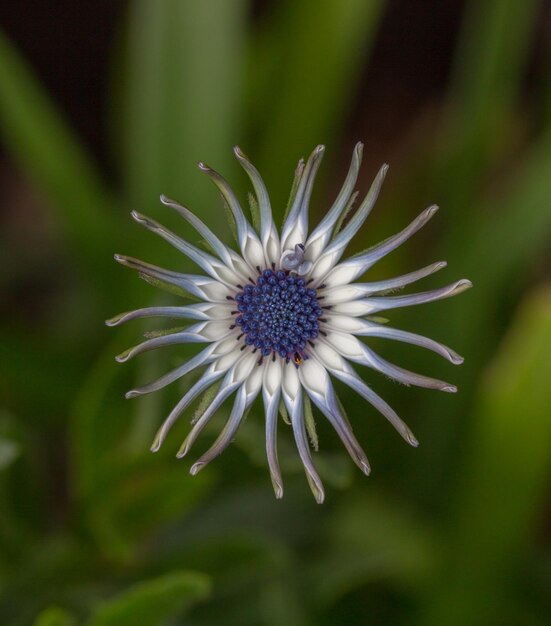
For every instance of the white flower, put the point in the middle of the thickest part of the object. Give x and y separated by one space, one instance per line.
283 316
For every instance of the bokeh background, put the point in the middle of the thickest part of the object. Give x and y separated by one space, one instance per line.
103 106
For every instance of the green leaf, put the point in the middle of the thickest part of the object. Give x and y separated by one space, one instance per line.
154 602
508 466
55 616
50 154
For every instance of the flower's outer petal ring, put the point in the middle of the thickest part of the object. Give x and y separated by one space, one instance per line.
205 356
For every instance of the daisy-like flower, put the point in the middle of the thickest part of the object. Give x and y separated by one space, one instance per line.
283 316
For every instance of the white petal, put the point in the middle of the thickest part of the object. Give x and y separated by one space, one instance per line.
252 249
193 311
248 239
383 303
206 261
317 384
192 334
268 232
227 433
291 383
346 344
231 382
293 402
209 377
353 349
322 233
344 323
345 293
336 248
205 356
213 331
340 275
271 393
295 228
199 286
370 329
355 266
221 249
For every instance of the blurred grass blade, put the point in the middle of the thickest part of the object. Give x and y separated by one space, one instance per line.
181 102
509 468
494 45
305 71
513 231
154 602
50 154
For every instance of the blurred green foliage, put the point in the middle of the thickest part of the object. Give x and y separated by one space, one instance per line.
96 531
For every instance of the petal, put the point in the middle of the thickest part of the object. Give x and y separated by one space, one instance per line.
271 394
342 370
249 242
355 266
205 356
352 291
198 333
243 399
204 260
331 255
292 396
370 329
295 228
233 379
192 311
227 255
316 382
210 376
198 286
374 304
322 233
268 231
354 350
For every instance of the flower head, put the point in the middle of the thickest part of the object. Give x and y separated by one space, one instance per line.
284 315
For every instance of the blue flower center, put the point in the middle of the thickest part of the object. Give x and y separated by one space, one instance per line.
278 314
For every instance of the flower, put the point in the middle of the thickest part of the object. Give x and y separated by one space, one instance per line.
284 316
